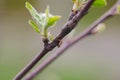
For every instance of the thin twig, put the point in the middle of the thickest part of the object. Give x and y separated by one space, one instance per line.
67 28
69 44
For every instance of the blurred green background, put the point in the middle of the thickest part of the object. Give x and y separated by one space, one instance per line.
94 58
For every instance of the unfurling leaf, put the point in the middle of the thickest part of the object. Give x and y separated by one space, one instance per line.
48 21
78 4
34 13
52 20
34 25
43 20
100 3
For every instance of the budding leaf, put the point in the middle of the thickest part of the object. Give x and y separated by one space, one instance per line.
100 27
34 25
78 4
52 20
44 20
100 3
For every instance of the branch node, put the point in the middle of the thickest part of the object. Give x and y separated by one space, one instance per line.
46 41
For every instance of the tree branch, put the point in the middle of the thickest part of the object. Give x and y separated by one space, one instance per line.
68 27
70 43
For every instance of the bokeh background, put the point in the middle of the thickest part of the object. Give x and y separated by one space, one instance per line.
94 58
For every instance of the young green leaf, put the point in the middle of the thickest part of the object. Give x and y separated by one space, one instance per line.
100 3
52 20
34 13
34 25
30 8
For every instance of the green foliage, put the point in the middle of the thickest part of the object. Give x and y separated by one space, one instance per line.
50 20
44 20
34 25
100 3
